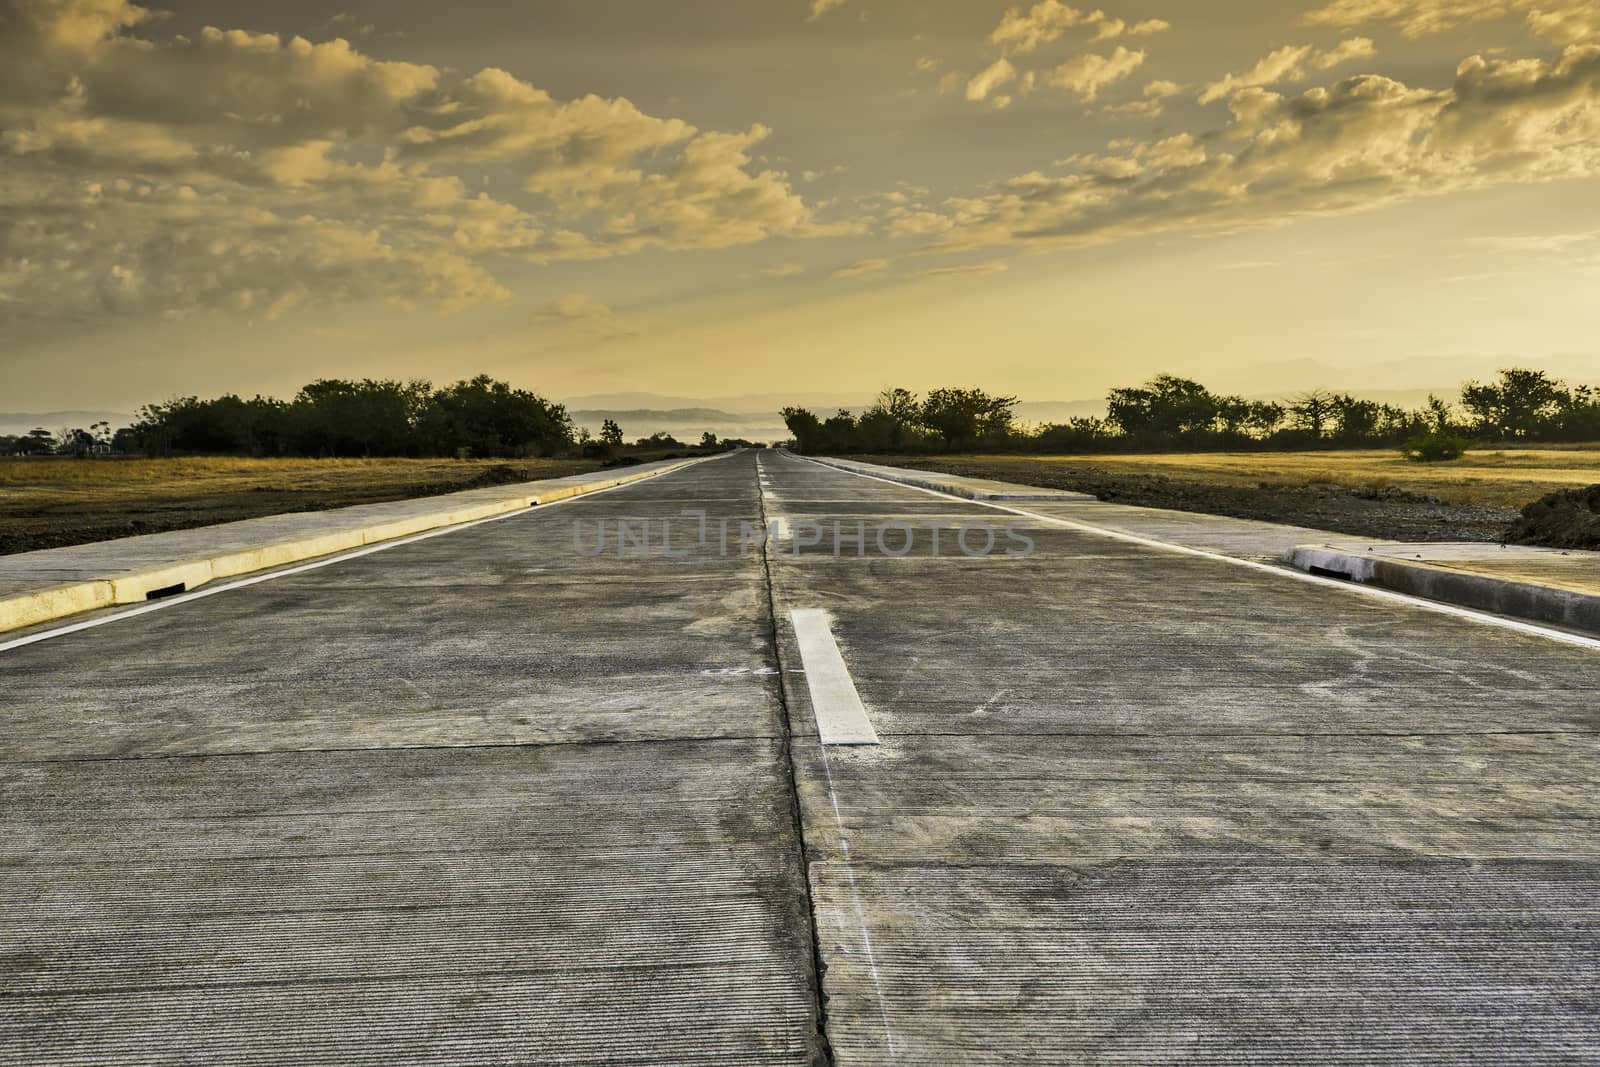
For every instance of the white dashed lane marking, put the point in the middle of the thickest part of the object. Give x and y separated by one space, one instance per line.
841 718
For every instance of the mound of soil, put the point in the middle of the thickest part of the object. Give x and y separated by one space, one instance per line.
1566 519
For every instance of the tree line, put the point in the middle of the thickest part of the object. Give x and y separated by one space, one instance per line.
477 417
334 417
484 418
1172 413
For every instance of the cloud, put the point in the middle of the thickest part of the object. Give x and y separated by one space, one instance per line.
1351 146
784 270
809 176
582 314
928 64
917 223
992 267
709 196
1109 28
1344 52
865 266
1538 243
253 173
1563 21
1086 75
820 8
1023 31
578 306
1152 102
998 73
1289 63
345 22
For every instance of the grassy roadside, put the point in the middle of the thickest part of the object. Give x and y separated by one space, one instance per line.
48 503
1495 478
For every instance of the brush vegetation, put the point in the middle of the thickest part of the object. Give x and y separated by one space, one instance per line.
1169 413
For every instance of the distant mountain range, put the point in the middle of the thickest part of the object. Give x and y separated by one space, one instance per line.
686 424
686 418
19 422
685 415
746 402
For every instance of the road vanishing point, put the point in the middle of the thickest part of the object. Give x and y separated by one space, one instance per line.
494 797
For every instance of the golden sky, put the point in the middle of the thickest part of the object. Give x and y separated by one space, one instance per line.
708 199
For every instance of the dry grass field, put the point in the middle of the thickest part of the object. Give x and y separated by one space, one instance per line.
1508 477
45 503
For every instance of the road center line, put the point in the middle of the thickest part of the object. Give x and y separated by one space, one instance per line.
841 718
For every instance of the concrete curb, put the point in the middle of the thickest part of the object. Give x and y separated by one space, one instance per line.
138 584
961 487
1525 600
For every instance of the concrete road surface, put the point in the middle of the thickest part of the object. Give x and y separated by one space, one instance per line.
491 798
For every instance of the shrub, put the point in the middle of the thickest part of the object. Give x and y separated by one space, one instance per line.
1435 447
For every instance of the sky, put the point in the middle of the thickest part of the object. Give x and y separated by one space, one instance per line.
727 199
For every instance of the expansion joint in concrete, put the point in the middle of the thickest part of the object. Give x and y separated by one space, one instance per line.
824 1047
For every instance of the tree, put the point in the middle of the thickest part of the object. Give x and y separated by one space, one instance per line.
839 432
1437 414
1396 423
1521 404
1075 435
891 423
1165 410
1232 413
899 404
1579 417
37 442
1264 418
611 433
805 428
75 442
1313 411
708 440
962 418
1354 420
227 425
332 417
483 417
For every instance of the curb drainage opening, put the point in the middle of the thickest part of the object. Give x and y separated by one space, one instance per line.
1329 572
166 591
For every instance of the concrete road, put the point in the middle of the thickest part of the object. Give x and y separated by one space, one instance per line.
487 799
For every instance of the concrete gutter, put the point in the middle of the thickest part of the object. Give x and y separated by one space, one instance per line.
1457 581
38 587
955 485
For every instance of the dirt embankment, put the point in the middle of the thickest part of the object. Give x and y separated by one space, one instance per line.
1569 518
1390 513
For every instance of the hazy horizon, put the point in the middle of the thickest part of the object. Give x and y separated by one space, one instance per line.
811 197
750 416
